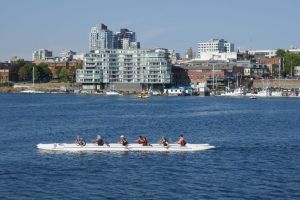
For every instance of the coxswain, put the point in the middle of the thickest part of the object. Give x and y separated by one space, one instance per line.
181 141
123 140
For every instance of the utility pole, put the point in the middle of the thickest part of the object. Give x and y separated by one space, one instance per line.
213 75
33 77
291 68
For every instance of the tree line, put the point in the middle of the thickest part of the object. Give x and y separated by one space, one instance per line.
42 73
290 59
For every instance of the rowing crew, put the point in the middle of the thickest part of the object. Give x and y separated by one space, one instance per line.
141 140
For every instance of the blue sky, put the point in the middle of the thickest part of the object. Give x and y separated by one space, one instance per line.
56 25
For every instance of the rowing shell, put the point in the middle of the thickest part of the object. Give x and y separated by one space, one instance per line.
119 147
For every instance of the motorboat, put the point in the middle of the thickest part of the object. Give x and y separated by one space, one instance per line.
143 95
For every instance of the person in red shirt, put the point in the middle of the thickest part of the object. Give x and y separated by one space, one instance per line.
181 141
142 140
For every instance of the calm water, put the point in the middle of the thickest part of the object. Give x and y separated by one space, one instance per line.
257 154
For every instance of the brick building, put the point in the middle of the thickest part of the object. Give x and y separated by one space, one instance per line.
55 67
70 66
185 75
273 64
4 75
4 72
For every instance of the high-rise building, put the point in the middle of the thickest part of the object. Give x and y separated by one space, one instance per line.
101 38
125 39
41 54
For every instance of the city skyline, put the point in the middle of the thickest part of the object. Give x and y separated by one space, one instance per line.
30 25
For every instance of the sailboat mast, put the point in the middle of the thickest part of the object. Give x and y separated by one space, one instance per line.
33 77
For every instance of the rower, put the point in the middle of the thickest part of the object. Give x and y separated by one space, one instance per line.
100 141
181 141
123 140
164 141
80 141
142 140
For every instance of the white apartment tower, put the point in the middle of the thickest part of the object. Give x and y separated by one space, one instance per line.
101 38
216 49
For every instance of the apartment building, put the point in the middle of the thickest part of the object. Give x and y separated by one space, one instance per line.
124 66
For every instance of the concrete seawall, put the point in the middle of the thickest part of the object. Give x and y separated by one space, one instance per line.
283 83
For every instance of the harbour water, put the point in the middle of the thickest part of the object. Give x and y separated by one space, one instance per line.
256 156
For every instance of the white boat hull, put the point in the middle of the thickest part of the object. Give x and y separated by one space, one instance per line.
112 93
118 147
32 91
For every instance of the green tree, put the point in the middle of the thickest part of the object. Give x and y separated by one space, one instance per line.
291 60
280 53
72 72
63 75
79 65
44 72
25 72
23 75
14 69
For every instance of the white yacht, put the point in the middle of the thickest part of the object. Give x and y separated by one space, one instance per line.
112 93
173 91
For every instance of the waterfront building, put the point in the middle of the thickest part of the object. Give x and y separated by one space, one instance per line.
259 70
216 49
41 54
68 66
200 75
125 69
274 64
101 38
4 72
